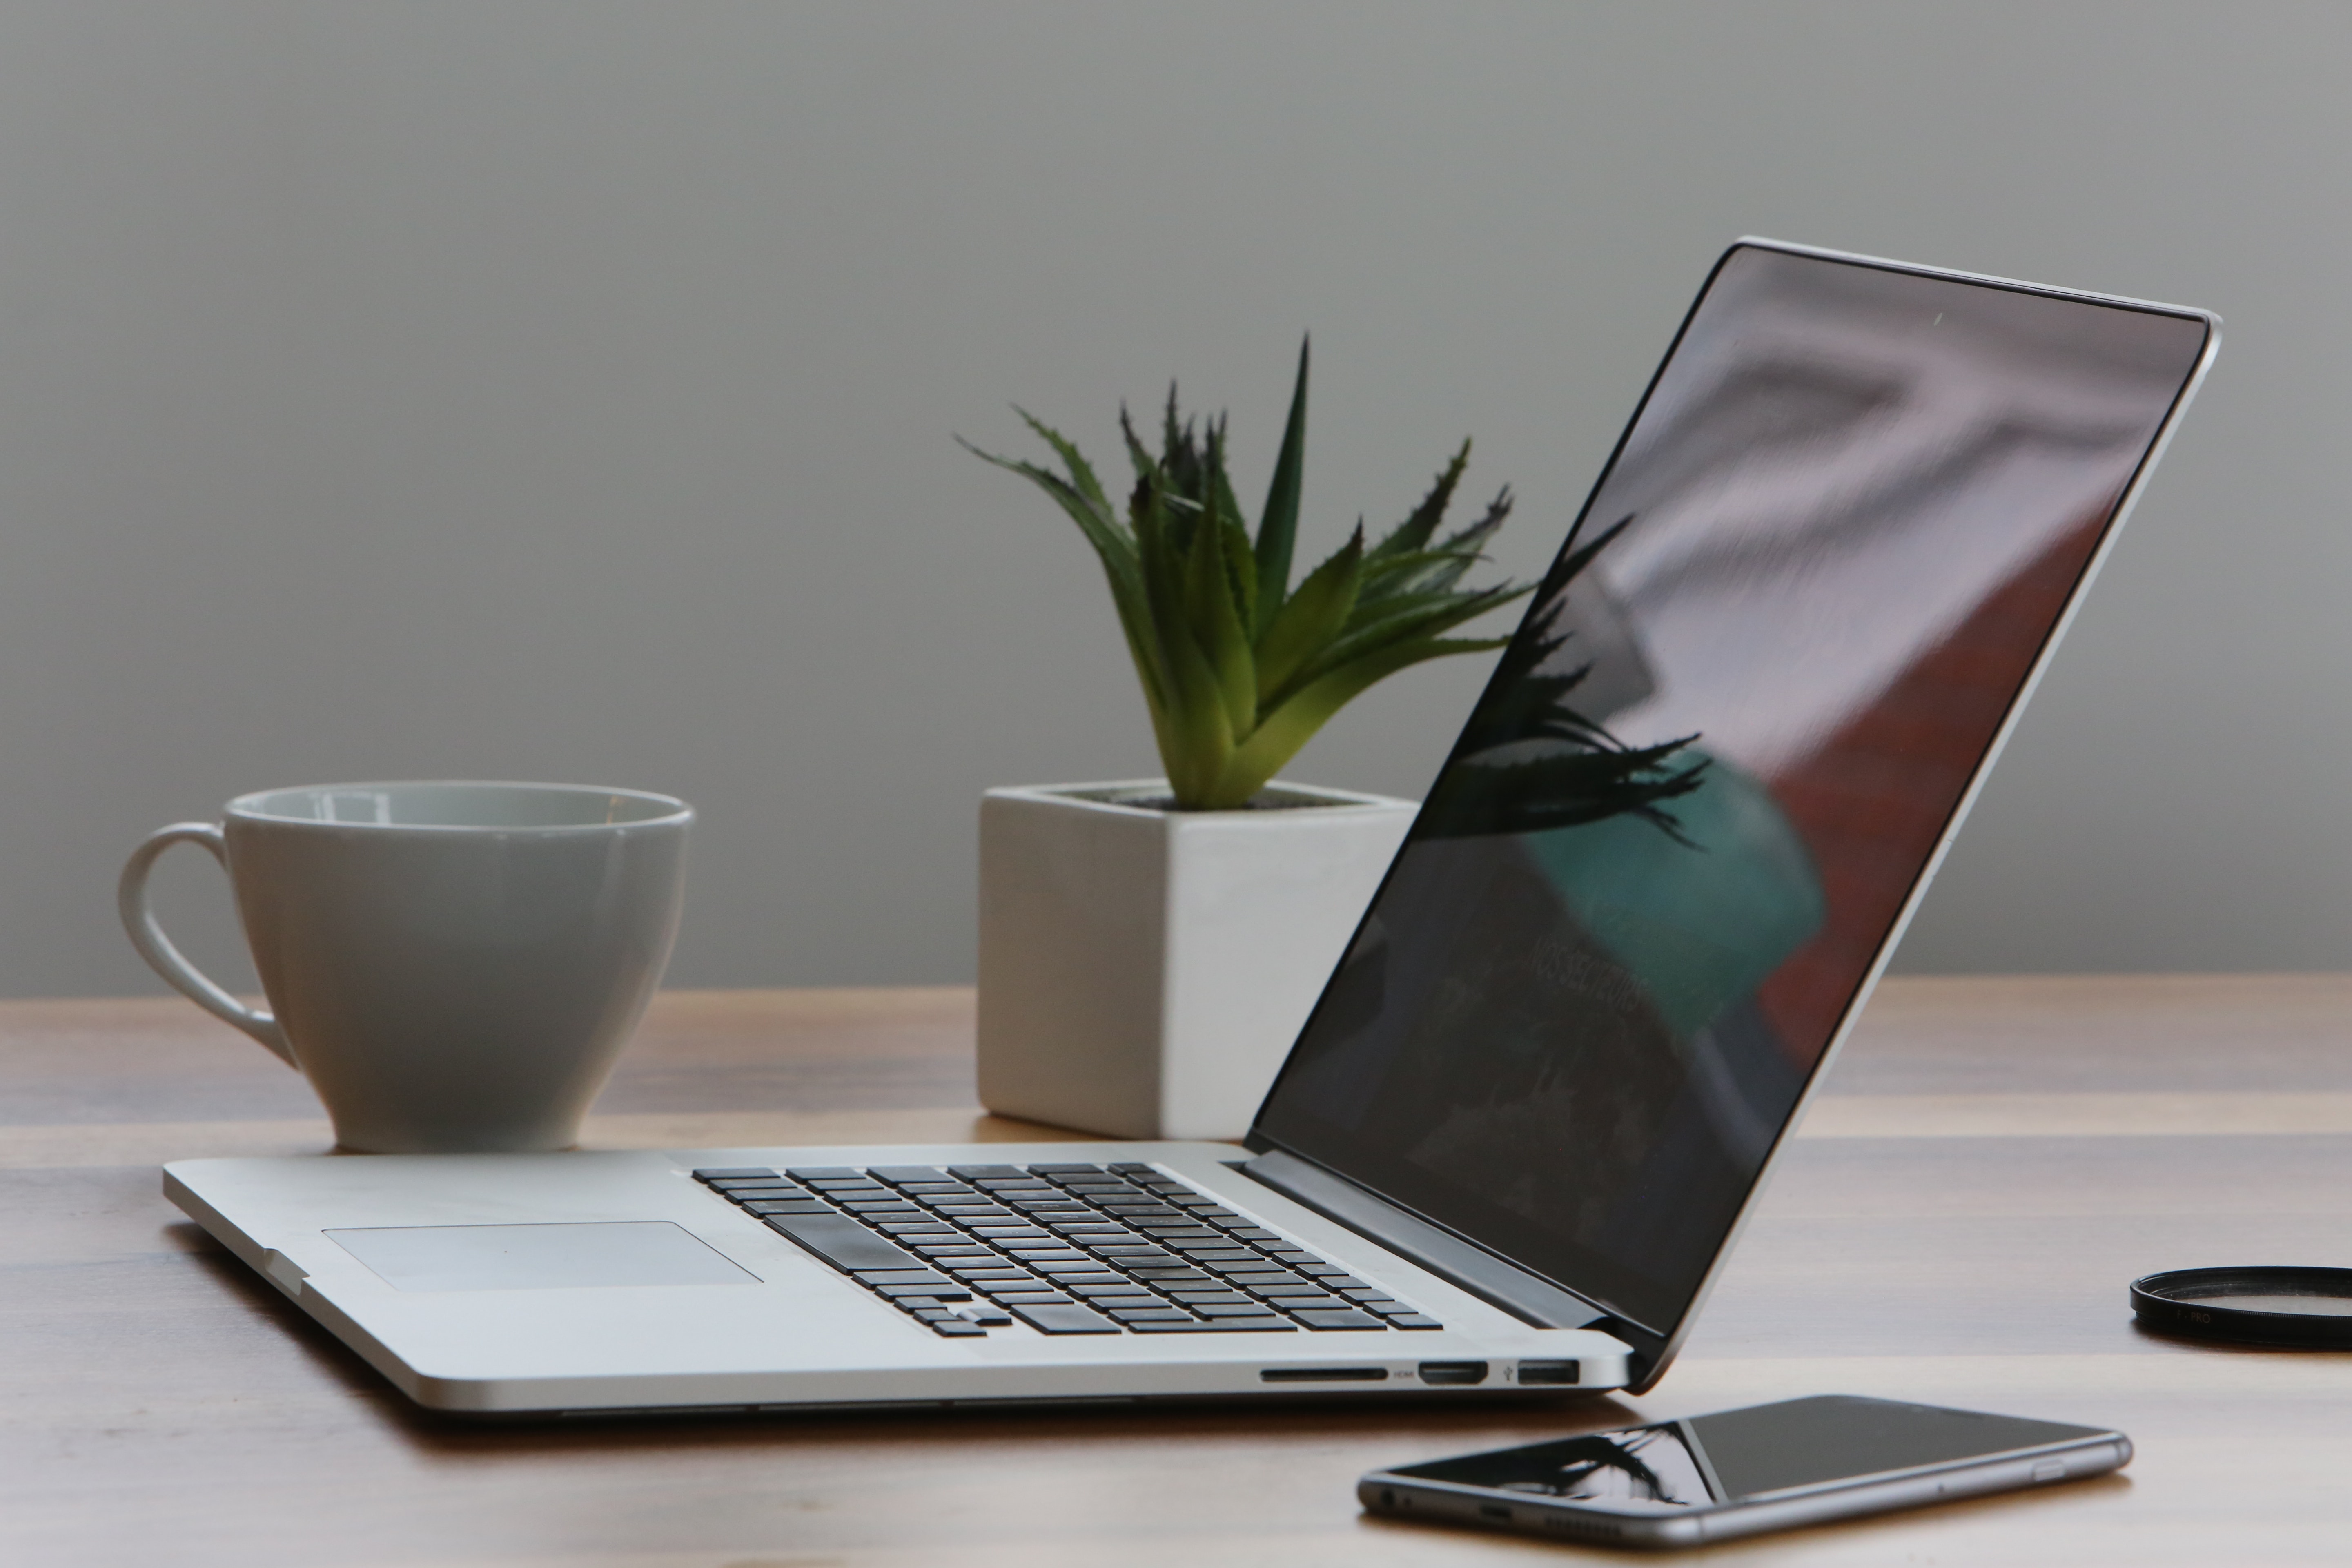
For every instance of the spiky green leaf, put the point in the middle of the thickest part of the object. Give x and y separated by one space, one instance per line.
1391 576
1303 629
1416 530
1082 473
1277 525
1216 627
1199 735
1281 733
1120 562
1416 619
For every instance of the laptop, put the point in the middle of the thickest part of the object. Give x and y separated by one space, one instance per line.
1514 1142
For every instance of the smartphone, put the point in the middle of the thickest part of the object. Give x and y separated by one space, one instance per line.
1739 1472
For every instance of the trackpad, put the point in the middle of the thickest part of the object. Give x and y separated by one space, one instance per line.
540 1256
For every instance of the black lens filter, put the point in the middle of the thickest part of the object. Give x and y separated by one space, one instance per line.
2306 1308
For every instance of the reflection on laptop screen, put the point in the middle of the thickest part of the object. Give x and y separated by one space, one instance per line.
1718 756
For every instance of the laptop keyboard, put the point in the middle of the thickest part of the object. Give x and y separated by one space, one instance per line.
1065 1248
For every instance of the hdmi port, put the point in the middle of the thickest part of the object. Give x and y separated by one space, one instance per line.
1456 1371
1324 1374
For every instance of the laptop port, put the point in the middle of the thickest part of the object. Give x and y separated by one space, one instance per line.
1547 1372
1324 1374
1443 1372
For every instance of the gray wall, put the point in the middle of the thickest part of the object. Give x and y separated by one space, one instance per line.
564 390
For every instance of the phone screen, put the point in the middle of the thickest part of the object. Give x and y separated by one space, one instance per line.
1741 1454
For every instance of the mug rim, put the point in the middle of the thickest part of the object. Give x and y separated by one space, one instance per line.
247 807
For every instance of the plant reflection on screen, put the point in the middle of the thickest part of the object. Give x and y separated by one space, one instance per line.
1603 1467
1531 761
1646 1468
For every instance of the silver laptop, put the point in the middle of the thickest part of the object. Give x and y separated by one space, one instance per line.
1514 1143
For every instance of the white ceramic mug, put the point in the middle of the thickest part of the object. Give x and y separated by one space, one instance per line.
453 965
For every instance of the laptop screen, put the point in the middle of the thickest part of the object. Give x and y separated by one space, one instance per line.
1718 755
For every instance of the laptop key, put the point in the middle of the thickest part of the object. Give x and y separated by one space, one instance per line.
1028 1298
1341 1320
842 1242
1071 1319
943 1291
1312 1303
1269 1324
735 1174
957 1328
1415 1320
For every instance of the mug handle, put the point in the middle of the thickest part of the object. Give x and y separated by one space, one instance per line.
147 936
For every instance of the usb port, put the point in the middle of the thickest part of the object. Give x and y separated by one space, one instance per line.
1550 1372
1439 1372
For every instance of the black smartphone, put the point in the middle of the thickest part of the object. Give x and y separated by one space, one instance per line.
1739 1472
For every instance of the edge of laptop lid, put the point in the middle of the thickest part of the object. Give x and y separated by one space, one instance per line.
1346 1190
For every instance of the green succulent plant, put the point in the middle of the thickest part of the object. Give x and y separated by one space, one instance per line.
1239 669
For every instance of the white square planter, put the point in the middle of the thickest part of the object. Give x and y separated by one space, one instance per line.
1144 972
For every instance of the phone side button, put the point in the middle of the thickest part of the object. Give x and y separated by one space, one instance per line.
2049 1470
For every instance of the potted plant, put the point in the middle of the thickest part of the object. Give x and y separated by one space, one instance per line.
1149 949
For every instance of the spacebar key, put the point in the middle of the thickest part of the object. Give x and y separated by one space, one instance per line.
1068 1319
844 1243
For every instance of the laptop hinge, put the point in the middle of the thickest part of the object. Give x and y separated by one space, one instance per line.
1523 1295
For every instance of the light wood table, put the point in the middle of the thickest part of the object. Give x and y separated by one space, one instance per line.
1995 1160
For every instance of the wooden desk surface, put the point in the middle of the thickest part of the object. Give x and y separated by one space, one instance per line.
1998 1159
